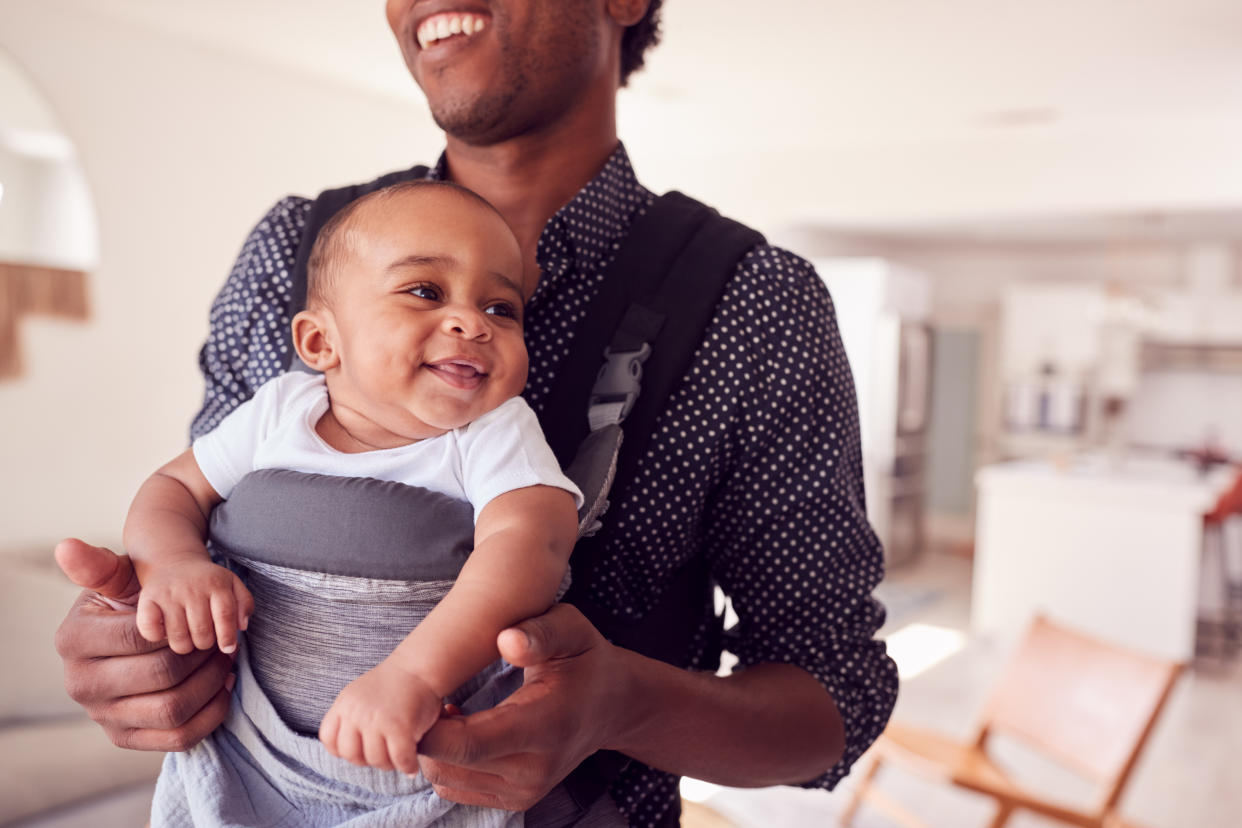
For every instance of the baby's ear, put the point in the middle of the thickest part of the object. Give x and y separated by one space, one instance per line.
314 338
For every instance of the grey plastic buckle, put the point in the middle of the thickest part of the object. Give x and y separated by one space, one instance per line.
617 385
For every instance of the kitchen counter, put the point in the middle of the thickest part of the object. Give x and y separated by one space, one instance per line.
1112 548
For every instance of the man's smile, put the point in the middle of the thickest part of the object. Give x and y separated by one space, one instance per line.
449 25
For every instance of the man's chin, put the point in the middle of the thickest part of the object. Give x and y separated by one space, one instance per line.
480 120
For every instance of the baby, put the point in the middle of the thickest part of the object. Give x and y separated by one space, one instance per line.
414 321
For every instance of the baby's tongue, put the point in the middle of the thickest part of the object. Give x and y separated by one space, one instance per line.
458 369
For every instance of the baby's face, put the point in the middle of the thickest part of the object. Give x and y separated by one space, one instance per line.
428 314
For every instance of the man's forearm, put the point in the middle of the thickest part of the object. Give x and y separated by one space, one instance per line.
768 725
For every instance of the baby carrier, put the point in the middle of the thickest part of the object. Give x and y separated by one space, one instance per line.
672 267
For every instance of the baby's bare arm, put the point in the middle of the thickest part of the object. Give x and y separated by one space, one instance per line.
185 597
522 543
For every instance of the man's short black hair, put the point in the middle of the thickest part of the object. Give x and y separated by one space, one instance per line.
332 246
638 38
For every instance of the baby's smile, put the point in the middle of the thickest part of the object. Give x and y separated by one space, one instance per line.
459 372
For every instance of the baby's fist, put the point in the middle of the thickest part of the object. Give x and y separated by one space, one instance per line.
379 717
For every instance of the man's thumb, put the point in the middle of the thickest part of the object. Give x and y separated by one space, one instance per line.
561 632
93 567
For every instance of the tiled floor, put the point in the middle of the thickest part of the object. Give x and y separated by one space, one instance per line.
1189 776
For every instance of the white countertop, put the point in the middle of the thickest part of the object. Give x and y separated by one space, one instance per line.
1141 480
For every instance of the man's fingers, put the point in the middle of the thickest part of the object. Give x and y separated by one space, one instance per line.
187 711
150 621
93 630
561 632
467 796
187 735
470 786
98 569
137 675
482 737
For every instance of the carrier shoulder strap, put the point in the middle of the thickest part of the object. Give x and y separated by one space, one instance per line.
646 323
658 296
324 207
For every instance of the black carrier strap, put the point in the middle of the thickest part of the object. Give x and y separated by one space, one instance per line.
327 205
660 292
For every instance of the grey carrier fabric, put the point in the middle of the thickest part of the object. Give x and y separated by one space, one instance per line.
341 570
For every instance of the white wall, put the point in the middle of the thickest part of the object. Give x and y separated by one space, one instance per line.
184 148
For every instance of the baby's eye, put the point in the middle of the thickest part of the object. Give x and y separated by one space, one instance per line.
504 309
425 292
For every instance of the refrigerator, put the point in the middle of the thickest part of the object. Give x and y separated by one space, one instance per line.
883 311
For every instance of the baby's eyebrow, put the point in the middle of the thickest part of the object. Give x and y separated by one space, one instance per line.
420 260
433 260
507 282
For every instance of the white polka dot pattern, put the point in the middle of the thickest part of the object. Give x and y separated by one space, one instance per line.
755 463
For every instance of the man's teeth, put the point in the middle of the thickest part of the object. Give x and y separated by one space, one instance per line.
441 26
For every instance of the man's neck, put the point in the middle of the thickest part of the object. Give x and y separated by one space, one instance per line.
531 176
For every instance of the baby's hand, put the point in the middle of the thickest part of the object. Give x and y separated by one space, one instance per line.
193 603
379 717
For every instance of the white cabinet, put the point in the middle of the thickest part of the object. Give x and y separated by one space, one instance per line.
1112 551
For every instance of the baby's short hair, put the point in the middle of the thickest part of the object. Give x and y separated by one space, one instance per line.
332 245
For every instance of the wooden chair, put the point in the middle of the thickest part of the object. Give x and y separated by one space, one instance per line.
1085 704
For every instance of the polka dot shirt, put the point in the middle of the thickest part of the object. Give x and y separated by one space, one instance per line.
755 463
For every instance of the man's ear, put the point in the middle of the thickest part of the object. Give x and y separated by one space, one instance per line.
626 12
314 338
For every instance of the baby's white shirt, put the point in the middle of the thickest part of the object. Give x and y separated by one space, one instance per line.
499 452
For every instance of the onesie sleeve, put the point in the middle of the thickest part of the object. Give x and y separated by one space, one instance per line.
226 453
505 450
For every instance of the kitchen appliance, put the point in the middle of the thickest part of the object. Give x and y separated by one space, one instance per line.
882 311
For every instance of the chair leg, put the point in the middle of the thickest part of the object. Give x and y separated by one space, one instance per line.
847 815
1003 811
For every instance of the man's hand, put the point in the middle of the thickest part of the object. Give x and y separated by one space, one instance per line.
145 696
512 755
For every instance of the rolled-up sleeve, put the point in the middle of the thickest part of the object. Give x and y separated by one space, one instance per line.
788 535
247 340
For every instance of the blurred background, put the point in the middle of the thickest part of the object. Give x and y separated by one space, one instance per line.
1029 216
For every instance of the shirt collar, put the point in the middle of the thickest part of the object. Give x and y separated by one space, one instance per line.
584 235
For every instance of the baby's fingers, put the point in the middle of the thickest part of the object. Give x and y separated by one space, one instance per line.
328 730
177 630
375 750
224 616
349 744
245 603
150 620
202 624
403 751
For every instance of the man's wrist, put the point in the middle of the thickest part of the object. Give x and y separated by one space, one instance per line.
635 691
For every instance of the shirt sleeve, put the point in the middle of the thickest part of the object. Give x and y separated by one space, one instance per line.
505 450
247 341
800 565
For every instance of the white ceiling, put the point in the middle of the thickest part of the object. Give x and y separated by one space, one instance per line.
864 68
833 74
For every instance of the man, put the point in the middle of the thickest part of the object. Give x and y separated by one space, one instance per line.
753 467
